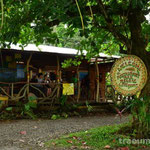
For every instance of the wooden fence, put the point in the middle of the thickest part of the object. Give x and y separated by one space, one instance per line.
21 90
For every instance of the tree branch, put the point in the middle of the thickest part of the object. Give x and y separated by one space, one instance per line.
53 23
103 10
111 28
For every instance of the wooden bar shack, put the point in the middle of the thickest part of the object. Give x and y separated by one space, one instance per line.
18 67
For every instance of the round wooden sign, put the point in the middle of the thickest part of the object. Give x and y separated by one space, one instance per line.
128 75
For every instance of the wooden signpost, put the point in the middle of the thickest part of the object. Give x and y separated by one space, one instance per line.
128 75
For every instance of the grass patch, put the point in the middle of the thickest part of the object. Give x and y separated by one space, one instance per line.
94 139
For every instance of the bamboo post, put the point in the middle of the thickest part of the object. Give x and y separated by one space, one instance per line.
28 73
58 76
97 80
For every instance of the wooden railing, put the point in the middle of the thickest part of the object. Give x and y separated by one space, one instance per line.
20 90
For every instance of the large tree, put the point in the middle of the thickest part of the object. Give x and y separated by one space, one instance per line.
102 23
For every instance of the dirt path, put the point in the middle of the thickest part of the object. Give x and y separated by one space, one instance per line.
31 134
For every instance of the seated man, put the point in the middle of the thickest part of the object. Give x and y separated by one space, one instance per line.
48 88
41 80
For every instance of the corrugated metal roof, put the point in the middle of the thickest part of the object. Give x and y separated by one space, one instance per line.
53 49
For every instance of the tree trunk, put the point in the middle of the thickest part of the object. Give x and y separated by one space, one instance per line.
138 44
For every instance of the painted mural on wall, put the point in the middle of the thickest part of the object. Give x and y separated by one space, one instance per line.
128 75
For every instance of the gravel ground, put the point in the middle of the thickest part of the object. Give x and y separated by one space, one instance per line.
31 134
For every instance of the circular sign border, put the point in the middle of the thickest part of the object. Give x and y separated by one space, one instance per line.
140 86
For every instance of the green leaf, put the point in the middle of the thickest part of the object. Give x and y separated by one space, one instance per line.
9 108
32 104
54 117
27 107
32 98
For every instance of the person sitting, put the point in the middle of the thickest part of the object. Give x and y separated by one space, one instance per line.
34 79
40 80
47 80
39 84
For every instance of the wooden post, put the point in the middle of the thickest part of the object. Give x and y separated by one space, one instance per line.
78 85
12 90
28 73
97 80
58 76
103 86
1 57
